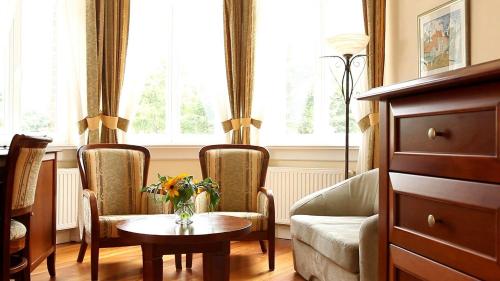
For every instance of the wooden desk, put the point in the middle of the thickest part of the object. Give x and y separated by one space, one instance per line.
209 234
43 221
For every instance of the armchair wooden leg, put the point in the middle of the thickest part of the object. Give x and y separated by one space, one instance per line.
271 253
94 261
189 260
178 261
263 246
83 249
51 264
26 274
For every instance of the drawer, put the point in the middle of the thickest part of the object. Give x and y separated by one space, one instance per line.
407 266
454 222
455 137
454 133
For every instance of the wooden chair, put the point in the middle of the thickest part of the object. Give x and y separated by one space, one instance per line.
18 187
112 176
241 171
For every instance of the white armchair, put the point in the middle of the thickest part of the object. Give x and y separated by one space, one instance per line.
337 229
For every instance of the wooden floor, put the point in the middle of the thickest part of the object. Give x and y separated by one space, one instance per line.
247 263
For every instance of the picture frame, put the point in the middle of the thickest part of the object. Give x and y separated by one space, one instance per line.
443 38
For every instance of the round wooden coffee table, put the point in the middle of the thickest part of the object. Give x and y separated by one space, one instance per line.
209 234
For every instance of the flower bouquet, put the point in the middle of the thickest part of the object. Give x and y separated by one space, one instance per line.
180 191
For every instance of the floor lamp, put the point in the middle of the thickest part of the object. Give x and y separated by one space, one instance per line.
348 46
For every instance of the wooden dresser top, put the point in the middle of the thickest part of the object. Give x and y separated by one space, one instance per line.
479 73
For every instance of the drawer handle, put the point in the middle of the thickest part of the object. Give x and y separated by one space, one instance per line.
432 133
431 221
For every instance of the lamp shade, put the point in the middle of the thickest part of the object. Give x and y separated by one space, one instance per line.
349 44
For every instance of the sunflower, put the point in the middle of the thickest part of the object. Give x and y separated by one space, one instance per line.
170 187
180 177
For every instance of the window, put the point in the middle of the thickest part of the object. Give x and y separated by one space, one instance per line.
175 71
303 104
32 98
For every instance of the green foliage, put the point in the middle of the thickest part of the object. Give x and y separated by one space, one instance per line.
194 117
36 122
151 115
182 188
337 115
307 123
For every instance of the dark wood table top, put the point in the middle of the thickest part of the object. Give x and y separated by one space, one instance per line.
162 229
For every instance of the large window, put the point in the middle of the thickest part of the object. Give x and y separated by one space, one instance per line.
33 97
175 71
302 102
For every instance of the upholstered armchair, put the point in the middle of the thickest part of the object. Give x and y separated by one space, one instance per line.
112 177
241 171
17 194
337 229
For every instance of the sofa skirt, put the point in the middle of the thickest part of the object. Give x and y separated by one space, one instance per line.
313 266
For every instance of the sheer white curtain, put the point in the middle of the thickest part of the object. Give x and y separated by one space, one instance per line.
295 94
41 51
7 12
71 61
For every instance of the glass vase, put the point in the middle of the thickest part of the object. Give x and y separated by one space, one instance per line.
184 212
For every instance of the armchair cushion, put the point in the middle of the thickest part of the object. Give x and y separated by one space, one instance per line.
259 221
17 230
368 249
336 238
107 224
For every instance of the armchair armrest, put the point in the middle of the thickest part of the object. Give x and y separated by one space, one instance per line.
90 214
265 203
368 249
356 196
265 206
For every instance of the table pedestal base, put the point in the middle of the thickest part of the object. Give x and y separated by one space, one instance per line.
215 259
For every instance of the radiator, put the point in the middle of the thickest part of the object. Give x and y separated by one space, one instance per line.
291 184
68 190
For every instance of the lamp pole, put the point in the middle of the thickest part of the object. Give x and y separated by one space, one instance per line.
347 100
347 91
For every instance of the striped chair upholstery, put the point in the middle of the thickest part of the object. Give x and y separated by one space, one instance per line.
238 172
116 178
25 177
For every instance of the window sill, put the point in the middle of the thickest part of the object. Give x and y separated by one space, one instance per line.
277 152
285 152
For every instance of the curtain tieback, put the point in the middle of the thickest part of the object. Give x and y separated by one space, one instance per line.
236 123
91 123
111 122
368 121
114 122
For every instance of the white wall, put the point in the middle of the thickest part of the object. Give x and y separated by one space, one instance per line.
401 35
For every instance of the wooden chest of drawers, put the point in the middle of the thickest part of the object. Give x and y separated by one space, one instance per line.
440 176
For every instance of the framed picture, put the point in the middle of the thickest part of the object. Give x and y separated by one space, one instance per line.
443 38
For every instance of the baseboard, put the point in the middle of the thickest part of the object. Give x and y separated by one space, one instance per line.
63 236
67 235
283 231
